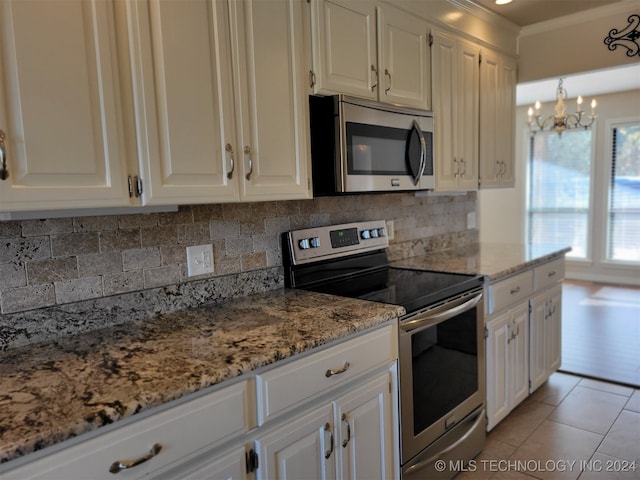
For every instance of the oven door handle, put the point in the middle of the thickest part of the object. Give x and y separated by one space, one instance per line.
446 311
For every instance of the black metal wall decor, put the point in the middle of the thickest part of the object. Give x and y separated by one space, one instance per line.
628 37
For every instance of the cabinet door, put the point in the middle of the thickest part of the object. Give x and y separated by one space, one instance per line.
404 58
553 330
497 120
444 77
301 448
183 97
497 352
365 422
490 166
60 107
344 48
468 105
267 42
519 354
537 357
507 121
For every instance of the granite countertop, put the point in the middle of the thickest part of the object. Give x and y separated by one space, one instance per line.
56 390
493 260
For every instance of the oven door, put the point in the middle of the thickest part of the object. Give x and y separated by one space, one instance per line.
442 371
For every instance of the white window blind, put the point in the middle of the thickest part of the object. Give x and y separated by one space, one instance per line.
559 190
623 242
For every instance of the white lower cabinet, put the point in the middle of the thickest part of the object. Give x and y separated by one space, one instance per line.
507 362
523 335
349 437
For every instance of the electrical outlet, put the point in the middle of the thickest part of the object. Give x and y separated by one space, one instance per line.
199 260
390 231
471 220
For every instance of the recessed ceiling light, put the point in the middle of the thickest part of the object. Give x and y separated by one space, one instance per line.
502 2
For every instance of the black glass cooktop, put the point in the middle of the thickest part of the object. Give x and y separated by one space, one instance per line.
412 289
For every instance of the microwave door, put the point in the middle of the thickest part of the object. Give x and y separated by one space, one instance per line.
416 152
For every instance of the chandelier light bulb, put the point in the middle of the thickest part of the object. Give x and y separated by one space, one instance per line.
593 107
579 103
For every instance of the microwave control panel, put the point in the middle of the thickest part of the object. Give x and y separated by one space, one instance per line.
319 243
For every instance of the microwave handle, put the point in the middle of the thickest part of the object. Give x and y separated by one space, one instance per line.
423 152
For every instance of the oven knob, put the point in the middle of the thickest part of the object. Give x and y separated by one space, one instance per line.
374 232
382 232
304 243
314 242
365 234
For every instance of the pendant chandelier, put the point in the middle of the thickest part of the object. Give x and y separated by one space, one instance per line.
560 121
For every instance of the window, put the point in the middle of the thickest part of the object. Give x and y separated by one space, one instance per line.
559 190
623 242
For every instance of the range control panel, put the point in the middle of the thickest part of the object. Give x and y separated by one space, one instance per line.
334 241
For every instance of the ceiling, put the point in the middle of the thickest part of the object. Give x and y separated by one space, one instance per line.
528 12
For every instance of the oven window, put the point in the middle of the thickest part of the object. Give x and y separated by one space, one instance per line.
445 368
376 150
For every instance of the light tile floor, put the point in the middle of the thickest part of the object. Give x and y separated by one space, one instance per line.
570 428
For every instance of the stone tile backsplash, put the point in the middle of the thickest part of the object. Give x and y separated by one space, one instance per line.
57 261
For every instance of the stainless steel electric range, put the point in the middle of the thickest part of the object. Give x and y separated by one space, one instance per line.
441 342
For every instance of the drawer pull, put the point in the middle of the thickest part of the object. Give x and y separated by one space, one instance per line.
119 465
552 273
515 290
331 373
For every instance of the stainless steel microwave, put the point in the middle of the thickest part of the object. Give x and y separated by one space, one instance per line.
360 146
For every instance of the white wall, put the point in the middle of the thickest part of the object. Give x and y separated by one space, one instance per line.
574 43
502 212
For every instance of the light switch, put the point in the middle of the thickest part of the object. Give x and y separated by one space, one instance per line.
199 260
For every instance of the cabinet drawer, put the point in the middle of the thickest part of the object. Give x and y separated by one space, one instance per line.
179 431
297 382
510 291
548 274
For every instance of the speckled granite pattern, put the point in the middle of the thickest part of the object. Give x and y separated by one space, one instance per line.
56 390
493 260
44 324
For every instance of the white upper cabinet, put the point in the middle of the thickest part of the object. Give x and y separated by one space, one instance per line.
271 99
60 108
404 59
219 98
497 120
370 51
183 97
456 75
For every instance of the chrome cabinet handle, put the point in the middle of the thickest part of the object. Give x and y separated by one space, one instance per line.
375 84
247 152
455 164
229 149
120 465
515 290
345 419
331 373
4 172
464 165
552 273
386 90
327 428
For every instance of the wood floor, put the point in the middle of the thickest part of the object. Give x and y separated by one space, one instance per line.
601 332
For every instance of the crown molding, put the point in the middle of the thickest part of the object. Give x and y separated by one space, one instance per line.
622 7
